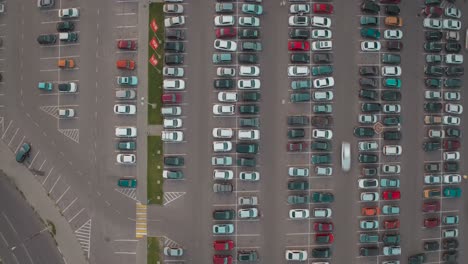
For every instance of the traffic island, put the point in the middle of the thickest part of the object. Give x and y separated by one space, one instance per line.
154 170
155 62
153 250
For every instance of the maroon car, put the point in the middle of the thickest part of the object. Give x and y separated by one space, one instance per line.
171 98
431 222
227 32
433 11
296 146
451 144
391 224
323 227
127 44
431 207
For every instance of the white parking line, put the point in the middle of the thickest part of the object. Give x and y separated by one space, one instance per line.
48 175
19 145
4 133
69 205
126 26
11 140
125 14
71 219
58 178
32 162
61 196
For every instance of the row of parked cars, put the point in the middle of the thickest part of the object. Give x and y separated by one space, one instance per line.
380 86
442 107
237 46
310 73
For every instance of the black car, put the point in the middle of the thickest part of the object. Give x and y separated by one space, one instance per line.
452 47
321 121
454 71
433 107
394 45
321 252
320 145
248 33
298 120
433 35
368 94
450 256
296 133
433 83
453 132
250 96
300 58
417 259
390 58
368 158
392 135
47 39
298 33
248 58
431 145
368 82
434 70
322 57
65 26
370 7
172 59
369 70
369 251
391 120
432 167
174 47
451 166
450 244
371 107
391 96
174 161
223 84
392 10
178 34
364 132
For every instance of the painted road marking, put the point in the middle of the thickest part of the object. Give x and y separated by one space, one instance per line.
83 234
141 221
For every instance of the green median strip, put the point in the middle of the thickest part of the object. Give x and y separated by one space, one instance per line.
154 170
155 78
153 250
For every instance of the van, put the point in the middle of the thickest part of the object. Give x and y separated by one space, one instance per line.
172 110
222 58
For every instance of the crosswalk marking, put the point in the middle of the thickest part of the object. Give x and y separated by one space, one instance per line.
83 234
141 224
171 196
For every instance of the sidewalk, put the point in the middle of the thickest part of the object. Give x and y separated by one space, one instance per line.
36 196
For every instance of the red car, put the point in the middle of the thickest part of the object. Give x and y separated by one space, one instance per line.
222 259
323 227
323 8
296 146
227 32
431 207
127 44
390 1
391 224
431 222
433 11
391 195
451 144
370 211
223 245
324 238
171 98
298 45
125 64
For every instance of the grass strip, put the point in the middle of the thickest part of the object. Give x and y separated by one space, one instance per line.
154 171
153 250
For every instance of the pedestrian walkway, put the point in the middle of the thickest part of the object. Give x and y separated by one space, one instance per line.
141 223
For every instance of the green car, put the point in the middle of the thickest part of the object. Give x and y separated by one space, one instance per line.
391 239
251 46
433 83
252 9
23 152
127 183
321 145
251 148
433 107
300 97
249 122
174 46
370 33
298 185
298 199
431 145
369 21
389 58
433 58
249 33
249 109
322 70
369 238
371 107
322 197
364 132
246 162
250 96
127 80
47 39
453 83
224 8
301 85
46 86
391 120
126 145
368 158
451 220
433 46
247 256
392 83
174 161
300 58
452 192
322 108
224 214
391 96
296 133
222 58
321 159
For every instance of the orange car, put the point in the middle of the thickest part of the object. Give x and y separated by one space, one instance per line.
66 63
370 211
126 64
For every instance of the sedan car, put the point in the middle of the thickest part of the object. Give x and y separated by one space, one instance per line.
322 134
225 45
223 109
298 21
297 255
125 109
294 45
174 21
391 195
126 158
451 24
223 21
249 21
393 34
370 46
324 82
298 71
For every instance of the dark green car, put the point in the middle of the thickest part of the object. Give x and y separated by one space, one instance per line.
250 96
433 107
368 158
223 84
65 26
251 148
301 85
322 70
431 145
391 239
371 33
249 122
247 256
369 238
249 109
392 83
369 21
174 161
322 108
300 58
453 83
418 258
433 46
433 83
364 132
391 120
371 107
247 58
127 183
321 159
322 197
224 214
47 39
368 94
251 46
389 58
453 132
296 133
434 70
321 252
391 96
321 145
246 162
23 152
247 33
300 97
126 145
299 33
174 46
298 199
298 185
298 120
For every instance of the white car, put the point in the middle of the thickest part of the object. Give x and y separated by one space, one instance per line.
452 96
223 174
370 46
249 21
449 156
172 136
223 132
391 108
248 213
298 71
318 21
451 120
367 119
249 176
172 122
321 34
126 158
225 45
299 213
66 113
451 24
223 109
299 21
452 178
432 179
433 95
222 146
249 71
299 9
298 172
227 97
454 59
173 71
322 134
368 145
370 196
248 84
322 212
368 183
295 254
174 84
125 132
224 71
322 45
436 133
392 150
391 169
391 70
174 21
68 13
322 96
452 12
125 109
454 109
223 21
252 134
393 34
323 171
324 82
173 9
432 23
